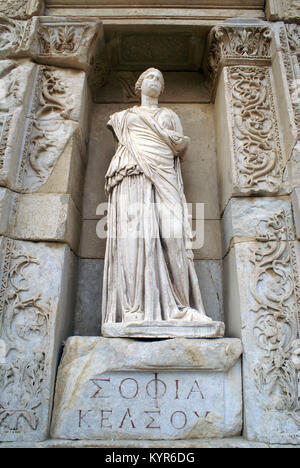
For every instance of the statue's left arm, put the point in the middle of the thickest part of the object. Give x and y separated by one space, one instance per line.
176 135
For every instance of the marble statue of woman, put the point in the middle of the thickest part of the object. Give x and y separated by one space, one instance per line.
150 285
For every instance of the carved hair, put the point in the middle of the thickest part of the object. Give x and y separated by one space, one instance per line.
138 85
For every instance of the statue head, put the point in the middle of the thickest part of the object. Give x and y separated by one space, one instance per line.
151 82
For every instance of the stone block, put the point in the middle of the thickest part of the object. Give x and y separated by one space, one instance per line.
285 87
61 94
209 273
36 303
8 201
163 329
18 38
12 128
243 169
67 175
16 84
45 142
126 389
88 297
22 9
245 219
296 210
283 10
68 42
46 217
261 307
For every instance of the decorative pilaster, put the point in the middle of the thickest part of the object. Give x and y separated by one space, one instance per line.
261 263
44 107
249 146
263 297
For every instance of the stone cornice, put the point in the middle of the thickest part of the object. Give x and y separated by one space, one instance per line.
64 42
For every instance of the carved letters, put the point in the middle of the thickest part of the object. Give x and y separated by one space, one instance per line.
147 403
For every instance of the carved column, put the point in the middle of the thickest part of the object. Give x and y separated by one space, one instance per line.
43 132
261 252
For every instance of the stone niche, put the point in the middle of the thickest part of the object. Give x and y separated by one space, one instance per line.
179 54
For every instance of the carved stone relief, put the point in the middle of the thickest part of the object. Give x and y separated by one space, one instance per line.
27 320
47 116
283 10
21 9
236 44
68 42
46 141
258 165
275 289
17 38
289 41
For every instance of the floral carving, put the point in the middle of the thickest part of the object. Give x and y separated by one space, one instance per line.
24 327
20 9
45 141
54 95
41 154
65 39
232 44
258 158
290 39
14 35
275 314
5 120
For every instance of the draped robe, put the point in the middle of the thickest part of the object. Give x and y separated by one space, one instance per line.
149 273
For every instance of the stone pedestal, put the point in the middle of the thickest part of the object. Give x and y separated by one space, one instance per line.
168 389
164 329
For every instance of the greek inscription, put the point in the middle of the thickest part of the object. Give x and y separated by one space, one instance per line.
150 402
177 388
99 388
178 419
82 416
156 389
104 418
149 425
129 390
130 419
195 385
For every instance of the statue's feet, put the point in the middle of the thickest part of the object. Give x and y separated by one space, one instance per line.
133 316
187 314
